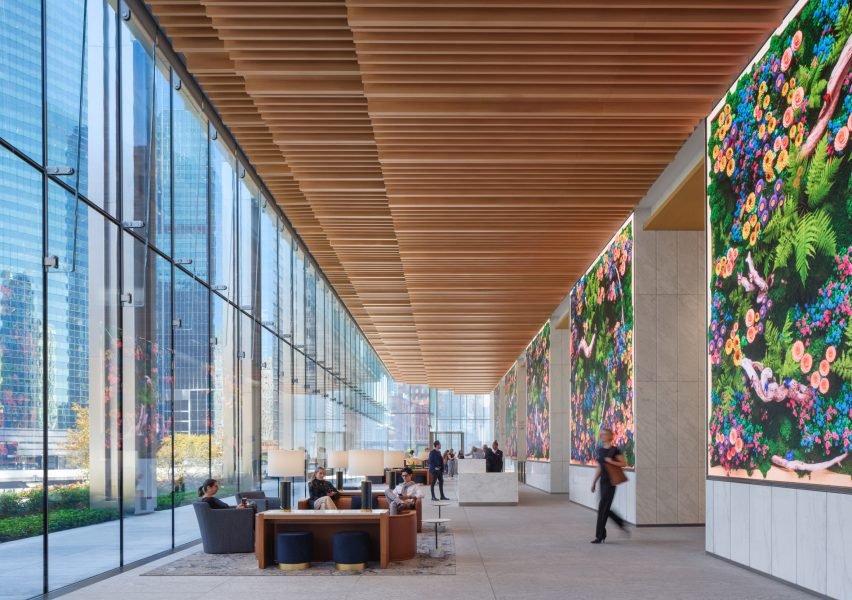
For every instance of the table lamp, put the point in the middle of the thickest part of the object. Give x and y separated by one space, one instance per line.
285 463
394 460
366 463
338 460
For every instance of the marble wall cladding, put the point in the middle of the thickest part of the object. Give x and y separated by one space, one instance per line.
722 518
759 527
538 475
838 541
667 259
740 514
801 536
811 543
645 323
784 549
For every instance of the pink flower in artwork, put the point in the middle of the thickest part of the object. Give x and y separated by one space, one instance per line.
786 59
841 139
796 42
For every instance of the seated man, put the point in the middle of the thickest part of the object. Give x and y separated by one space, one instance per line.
404 496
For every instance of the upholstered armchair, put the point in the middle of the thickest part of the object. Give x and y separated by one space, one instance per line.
403 536
262 501
225 530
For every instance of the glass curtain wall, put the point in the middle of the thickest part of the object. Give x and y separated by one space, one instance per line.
159 322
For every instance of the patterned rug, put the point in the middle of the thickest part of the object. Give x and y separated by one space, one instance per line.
228 565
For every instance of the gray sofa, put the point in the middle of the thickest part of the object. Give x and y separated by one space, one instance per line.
262 501
225 530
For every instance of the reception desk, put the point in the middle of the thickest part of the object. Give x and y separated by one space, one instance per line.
471 465
488 489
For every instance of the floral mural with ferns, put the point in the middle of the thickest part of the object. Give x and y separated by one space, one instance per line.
509 395
780 207
602 352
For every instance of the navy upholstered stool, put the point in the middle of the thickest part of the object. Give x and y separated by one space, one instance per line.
293 550
351 550
356 503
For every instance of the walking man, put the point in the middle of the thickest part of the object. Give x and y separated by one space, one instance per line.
436 469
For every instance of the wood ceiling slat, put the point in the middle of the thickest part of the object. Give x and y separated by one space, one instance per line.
454 166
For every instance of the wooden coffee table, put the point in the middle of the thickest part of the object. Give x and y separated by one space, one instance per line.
323 524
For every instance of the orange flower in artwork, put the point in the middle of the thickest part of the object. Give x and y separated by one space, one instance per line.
830 354
824 367
807 363
798 350
815 379
823 386
749 318
751 334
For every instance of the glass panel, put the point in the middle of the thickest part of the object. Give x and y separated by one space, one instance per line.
20 78
189 129
250 407
285 287
270 421
223 378
147 398
223 220
191 414
81 96
21 448
268 265
299 299
145 152
83 430
249 245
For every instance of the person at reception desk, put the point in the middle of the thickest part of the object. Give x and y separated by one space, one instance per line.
436 468
323 494
493 459
404 496
452 463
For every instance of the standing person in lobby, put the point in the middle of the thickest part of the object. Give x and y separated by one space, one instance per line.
436 469
494 459
610 461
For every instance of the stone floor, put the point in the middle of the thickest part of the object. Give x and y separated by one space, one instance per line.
539 549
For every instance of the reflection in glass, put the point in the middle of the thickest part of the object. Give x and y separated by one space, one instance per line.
21 398
147 398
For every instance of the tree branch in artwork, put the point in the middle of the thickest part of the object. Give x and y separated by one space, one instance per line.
832 95
768 389
753 282
798 465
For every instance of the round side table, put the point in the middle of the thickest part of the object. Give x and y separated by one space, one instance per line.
437 522
440 505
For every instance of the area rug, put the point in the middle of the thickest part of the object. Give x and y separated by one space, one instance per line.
229 565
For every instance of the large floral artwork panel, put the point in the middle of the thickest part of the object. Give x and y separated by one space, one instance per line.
780 222
602 352
509 395
538 396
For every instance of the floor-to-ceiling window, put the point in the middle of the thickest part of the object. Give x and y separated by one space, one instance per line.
159 321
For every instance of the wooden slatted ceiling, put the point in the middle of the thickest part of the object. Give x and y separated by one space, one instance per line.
455 166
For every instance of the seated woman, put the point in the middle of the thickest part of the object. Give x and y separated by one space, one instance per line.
207 493
322 492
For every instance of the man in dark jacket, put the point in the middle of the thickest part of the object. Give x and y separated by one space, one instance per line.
496 459
436 469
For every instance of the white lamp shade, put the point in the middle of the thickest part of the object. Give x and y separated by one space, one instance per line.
424 455
285 463
366 462
394 459
338 459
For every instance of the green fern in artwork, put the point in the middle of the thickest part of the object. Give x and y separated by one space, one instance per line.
843 366
821 175
812 235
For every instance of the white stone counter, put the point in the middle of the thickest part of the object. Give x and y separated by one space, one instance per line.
471 465
488 489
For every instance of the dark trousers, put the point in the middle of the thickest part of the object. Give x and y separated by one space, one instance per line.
605 510
438 476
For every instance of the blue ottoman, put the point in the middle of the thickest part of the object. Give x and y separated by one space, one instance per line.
356 503
351 550
293 550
